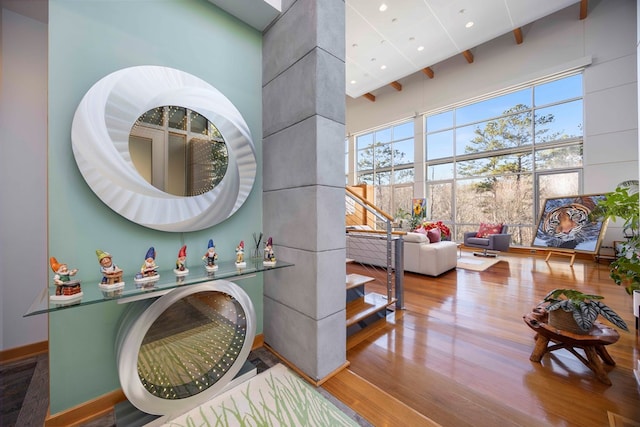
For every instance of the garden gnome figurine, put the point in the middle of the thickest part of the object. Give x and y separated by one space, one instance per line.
210 257
62 279
149 267
240 255
111 274
182 258
269 256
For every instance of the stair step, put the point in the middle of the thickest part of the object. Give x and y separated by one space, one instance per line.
354 280
364 307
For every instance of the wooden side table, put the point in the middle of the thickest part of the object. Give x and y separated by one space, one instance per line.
593 344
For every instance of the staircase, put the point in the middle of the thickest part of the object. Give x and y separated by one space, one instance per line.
364 308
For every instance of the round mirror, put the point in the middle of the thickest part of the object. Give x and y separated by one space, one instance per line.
100 137
179 151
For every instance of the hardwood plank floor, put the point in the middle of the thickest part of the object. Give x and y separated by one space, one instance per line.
459 351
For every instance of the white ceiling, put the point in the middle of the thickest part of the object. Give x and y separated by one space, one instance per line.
390 39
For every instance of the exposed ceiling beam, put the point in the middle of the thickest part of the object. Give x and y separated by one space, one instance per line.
429 72
517 33
584 6
397 86
371 97
468 56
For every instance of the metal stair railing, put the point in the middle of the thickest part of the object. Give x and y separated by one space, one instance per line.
383 229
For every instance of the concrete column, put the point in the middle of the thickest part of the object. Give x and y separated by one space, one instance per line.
303 184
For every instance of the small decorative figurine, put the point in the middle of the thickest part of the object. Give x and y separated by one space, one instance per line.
181 263
149 270
66 289
210 257
269 256
240 263
111 284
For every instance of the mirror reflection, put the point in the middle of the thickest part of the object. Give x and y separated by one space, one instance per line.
178 151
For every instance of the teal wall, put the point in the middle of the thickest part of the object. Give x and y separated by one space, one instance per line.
87 41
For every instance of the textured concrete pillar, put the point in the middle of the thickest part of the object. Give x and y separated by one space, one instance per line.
303 184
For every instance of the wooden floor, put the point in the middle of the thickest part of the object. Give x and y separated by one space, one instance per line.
459 352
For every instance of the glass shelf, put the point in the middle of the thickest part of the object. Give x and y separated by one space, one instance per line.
167 280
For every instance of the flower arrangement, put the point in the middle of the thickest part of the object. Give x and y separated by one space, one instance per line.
445 231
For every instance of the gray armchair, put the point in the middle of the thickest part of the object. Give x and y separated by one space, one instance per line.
493 242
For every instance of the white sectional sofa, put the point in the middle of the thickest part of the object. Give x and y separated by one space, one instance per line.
420 256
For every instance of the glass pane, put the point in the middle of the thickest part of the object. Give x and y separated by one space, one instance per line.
383 135
199 123
494 107
507 132
383 156
557 185
439 121
403 131
382 178
403 176
440 145
153 117
561 157
567 88
506 199
402 196
177 117
521 235
439 172
403 152
365 159
383 197
190 346
363 141
439 201
177 165
496 165
559 122
366 179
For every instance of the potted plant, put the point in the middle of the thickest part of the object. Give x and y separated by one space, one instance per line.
583 308
623 204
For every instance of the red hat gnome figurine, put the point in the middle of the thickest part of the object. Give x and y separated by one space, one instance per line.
210 257
66 289
240 263
181 263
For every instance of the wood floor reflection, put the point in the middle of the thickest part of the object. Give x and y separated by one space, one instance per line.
459 351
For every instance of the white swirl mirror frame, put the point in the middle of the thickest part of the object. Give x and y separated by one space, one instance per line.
100 142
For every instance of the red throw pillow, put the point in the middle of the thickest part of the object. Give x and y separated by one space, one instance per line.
434 235
486 229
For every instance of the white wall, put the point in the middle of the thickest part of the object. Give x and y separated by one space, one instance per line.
23 174
553 44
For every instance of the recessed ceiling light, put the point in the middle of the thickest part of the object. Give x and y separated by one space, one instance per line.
468 24
420 48
383 67
353 82
382 7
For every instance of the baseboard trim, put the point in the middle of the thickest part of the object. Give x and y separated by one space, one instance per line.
100 406
307 378
87 411
23 352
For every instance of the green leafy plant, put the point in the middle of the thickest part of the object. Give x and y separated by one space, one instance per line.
585 307
622 204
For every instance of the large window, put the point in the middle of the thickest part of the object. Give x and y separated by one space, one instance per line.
385 159
497 159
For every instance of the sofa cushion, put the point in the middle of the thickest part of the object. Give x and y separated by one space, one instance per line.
434 235
415 237
486 229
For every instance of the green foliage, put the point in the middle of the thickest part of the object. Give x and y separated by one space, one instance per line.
625 269
584 307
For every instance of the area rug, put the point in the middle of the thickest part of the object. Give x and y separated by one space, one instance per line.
476 263
276 397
